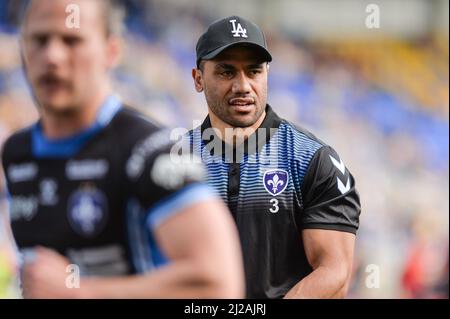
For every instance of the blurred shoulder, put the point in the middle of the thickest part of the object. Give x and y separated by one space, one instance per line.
132 122
18 144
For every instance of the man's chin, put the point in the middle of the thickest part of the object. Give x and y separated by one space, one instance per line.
242 121
56 106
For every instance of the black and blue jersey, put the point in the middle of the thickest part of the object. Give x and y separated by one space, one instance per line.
97 197
280 181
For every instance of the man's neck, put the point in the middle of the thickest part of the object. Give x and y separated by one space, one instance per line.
58 126
232 135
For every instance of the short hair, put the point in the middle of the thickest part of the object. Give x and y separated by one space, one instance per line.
113 16
201 65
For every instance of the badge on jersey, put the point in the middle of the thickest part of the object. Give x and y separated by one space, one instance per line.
275 181
87 211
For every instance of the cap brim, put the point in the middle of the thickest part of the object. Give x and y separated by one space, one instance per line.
216 52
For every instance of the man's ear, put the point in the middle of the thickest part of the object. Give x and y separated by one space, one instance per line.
22 56
114 51
197 75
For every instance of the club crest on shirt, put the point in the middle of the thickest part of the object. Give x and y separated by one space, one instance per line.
275 181
87 211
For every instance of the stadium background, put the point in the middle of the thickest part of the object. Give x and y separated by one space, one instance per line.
379 96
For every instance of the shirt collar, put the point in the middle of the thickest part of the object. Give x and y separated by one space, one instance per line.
69 146
267 129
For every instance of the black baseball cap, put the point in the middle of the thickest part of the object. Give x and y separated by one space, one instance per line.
228 32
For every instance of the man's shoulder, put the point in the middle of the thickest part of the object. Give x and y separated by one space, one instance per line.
18 145
131 122
301 133
138 135
131 127
299 142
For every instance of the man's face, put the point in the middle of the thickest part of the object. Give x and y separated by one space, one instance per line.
235 85
65 66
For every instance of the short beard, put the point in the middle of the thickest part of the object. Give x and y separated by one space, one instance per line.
61 112
67 111
221 113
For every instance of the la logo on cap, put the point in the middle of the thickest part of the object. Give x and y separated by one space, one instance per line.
238 31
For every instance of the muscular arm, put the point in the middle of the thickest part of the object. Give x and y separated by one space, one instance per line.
202 245
330 254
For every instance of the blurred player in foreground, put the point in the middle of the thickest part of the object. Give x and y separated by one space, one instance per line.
293 199
93 184
8 261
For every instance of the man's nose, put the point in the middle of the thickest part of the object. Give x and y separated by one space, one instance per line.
241 84
54 53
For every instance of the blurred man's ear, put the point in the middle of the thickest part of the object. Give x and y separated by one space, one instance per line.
22 58
197 75
114 51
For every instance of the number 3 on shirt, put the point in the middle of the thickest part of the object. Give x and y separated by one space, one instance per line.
275 207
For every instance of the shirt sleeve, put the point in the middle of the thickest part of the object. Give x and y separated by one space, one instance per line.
330 198
165 180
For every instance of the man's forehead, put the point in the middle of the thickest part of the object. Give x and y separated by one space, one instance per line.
60 15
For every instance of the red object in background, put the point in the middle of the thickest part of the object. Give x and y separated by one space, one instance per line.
413 275
425 274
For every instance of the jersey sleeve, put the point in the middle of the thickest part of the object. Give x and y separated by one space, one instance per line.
164 179
330 198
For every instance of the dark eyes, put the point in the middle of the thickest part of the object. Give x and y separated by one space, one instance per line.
226 73
71 41
255 71
40 40
43 40
230 73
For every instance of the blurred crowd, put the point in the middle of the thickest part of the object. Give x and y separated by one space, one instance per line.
383 104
